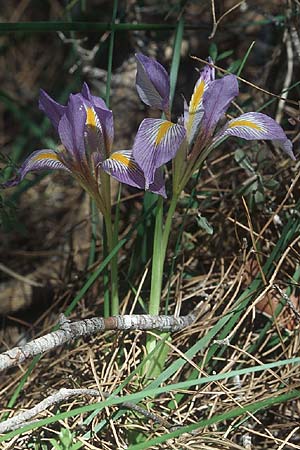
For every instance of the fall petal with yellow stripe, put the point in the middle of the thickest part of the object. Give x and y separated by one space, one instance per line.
255 126
122 166
38 160
156 143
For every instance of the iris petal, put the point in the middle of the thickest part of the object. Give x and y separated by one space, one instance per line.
156 143
38 160
53 110
94 133
96 101
216 100
122 166
195 110
105 117
152 83
99 129
254 125
71 127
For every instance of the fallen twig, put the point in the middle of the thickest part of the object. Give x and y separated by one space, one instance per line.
24 418
71 330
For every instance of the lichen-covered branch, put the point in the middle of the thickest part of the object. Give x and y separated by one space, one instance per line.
24 418
72 330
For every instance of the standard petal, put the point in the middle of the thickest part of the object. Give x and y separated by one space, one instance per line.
255 125
95 141
208 71
96 101
71 127
195 110
152 82
105 117
53 110
122 166
156 143
99 122
99 130
216 100
38 160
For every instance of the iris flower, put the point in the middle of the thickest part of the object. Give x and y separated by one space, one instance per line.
158 141
85 128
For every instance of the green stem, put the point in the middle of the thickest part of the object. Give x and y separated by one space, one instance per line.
111 240
94 232
168 224
161 239
157 264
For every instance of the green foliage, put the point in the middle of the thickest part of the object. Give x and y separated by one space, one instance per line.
257 186
8 219
204 224
215 55
65 440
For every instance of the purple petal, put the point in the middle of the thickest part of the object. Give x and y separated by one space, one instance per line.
156 143
38 160
106 120
99 122
53 110
152 82
255 125
158 185
194 113
94 136
216 100
99 130
208 72
124 168
96 101
71 127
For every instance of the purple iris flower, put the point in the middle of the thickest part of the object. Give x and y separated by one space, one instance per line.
85 128
158 141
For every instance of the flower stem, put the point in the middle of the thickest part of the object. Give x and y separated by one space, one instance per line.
161 239
111 306
157 264
111 241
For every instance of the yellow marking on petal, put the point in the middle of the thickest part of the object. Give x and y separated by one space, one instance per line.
194 104
196 97
245 123
91 117
123 160
162 131
45 156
